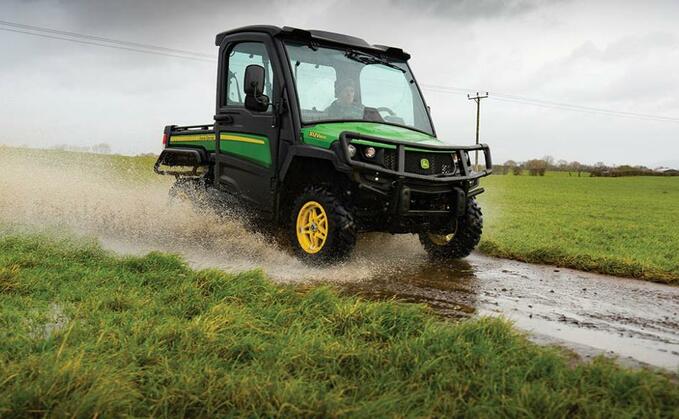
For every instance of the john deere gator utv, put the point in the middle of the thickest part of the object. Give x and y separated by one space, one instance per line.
328 136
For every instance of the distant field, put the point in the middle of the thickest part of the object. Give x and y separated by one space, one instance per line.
621 226
84 333
128 168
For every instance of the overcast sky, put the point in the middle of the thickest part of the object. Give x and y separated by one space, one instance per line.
622 56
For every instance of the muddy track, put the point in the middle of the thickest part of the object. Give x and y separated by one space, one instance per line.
636 321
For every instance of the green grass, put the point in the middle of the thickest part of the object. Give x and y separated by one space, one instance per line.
85 333
621 226
118 167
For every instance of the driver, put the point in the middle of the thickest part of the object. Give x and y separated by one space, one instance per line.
345 106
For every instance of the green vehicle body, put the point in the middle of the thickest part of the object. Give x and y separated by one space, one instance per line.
330 132
385 173
325 135
257 149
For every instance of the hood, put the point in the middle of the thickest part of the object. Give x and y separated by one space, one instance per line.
324 134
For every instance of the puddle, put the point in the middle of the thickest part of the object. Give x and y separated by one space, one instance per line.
590 313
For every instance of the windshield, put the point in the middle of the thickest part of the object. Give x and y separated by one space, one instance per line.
350 85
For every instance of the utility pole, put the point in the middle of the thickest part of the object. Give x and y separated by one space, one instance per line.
477 99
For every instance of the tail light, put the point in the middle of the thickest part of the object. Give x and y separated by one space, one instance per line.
165 138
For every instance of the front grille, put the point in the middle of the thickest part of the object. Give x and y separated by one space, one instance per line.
439 163
390 159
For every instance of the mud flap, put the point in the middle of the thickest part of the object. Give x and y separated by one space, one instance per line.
460 202
404 200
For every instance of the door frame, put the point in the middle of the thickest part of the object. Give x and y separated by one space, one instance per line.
226 117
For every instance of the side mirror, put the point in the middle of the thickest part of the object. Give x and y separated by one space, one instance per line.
253 86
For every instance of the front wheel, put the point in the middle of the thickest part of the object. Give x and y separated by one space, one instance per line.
322 230
459 239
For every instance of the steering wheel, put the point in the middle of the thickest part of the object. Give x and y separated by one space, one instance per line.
387 110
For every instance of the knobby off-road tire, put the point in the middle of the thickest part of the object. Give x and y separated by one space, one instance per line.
322 230
466 234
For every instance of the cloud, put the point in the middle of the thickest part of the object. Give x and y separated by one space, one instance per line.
633 69
627 47
470 9
588 53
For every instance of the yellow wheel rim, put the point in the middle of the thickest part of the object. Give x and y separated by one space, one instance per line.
442 239
312 227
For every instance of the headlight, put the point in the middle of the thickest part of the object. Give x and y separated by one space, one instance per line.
369 152
352 150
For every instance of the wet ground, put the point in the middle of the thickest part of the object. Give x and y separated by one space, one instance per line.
636 321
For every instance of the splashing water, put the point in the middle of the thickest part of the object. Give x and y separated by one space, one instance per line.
43 190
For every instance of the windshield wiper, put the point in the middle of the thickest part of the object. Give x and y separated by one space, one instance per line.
364 58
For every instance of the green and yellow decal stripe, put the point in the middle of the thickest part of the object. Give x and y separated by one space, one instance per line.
242 139
248 146
223 137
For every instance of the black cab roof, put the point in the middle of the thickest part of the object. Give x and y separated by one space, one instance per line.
321 37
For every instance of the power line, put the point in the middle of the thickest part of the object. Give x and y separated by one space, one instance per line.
645 117
477 99
79 41
198 56
616 114
555 105
103 39
588 108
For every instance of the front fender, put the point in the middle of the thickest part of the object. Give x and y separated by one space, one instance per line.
304 150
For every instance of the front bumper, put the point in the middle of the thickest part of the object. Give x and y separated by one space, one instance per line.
434 193
463 170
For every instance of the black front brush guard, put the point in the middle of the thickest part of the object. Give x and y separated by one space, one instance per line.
466 171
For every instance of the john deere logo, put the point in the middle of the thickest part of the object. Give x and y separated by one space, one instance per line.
424 163
314 134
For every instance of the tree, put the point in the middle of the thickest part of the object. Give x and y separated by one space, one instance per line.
549 161
507 166
576 166
102 148
536 167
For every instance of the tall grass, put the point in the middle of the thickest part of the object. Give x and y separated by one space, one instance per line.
85 333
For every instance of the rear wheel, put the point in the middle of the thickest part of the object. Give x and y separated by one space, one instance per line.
459 239
322 230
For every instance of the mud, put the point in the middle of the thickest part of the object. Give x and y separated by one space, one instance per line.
636 321
592 314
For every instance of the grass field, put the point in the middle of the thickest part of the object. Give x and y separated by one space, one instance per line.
127 168
84 333
621 226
